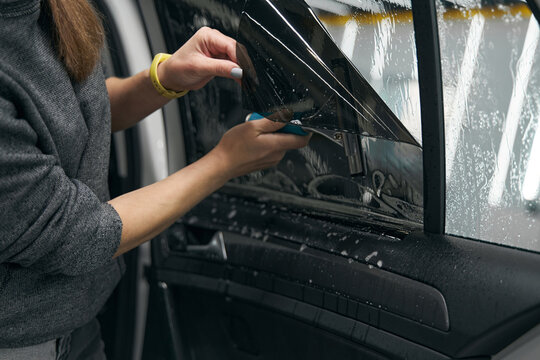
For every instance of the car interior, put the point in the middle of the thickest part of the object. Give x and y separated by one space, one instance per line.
409 227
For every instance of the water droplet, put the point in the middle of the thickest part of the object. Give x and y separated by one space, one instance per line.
231 214
373 254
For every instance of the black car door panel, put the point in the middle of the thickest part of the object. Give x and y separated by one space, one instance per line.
373 287
298 262
451 305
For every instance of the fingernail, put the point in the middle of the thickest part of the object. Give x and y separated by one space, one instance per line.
237 73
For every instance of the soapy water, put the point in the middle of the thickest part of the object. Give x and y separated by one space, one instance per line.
491 82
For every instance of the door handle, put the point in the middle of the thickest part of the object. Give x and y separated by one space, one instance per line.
214 250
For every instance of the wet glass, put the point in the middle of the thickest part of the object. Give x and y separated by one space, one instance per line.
292 59
378 37
491 78
320 178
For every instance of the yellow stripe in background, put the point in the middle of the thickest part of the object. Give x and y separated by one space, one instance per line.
489 12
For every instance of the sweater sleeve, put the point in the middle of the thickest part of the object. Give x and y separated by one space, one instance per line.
48 221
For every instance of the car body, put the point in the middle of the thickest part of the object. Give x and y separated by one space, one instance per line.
429 251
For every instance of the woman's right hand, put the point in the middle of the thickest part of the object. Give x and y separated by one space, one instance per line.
255 145
247 147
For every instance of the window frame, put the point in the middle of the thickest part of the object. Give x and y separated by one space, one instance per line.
426 34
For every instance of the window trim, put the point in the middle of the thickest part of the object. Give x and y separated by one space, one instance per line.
432 114
534 8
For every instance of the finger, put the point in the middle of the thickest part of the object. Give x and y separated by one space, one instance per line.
289 141
223 68
219 44
267 126
274 158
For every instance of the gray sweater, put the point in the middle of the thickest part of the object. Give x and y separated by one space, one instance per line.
57 233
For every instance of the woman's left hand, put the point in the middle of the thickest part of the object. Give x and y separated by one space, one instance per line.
207 54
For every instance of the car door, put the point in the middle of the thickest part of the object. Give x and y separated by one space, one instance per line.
404 260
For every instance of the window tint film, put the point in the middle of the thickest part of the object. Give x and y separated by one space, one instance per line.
378 37
287 45
294 69
491 78
317 179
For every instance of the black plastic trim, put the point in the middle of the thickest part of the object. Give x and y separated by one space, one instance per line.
331 321
374 289
175 341
432 110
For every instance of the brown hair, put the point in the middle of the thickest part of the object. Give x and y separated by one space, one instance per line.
77 35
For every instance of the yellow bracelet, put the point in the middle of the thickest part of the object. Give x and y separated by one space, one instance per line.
169 94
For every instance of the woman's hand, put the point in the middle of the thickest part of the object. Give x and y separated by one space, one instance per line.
207 54
254 145
245 148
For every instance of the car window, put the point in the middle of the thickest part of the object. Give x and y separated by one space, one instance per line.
491 79
319 177
378 37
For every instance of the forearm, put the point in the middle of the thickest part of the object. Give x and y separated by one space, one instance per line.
150 210
245 148
132 99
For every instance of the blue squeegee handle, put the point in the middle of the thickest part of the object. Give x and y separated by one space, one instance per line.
287 129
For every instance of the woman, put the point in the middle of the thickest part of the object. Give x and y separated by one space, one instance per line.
60 235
